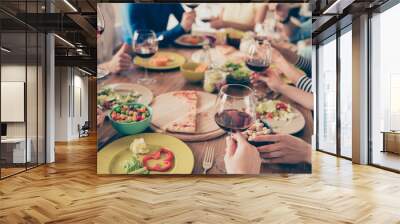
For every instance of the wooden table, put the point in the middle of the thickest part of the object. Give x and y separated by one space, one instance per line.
173 80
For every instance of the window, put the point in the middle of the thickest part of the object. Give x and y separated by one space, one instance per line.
327 96
385 89
346 94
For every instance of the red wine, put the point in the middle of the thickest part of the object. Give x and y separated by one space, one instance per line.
145 54
206 20
100 31
233 120
192 5
256 65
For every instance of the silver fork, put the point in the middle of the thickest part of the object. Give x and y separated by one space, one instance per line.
208 159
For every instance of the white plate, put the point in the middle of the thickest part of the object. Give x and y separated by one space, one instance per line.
126 88
288 127
185 44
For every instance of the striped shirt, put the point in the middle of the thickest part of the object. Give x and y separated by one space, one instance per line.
304 64
305 84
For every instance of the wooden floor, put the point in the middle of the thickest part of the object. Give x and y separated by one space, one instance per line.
387 159
69 191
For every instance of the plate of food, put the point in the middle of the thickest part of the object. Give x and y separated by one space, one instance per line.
162 60
122 93
190 40
148 153
280 116
233 37
187 115
237 73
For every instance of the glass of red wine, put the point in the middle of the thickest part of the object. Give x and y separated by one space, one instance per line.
235 108
145 45
100 22
192 6
101 72
258 60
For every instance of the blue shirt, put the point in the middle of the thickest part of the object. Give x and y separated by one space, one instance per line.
155 17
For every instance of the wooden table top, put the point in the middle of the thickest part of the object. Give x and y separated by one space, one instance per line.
168 81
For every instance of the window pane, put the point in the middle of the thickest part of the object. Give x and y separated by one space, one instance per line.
346 94
385 84
327 97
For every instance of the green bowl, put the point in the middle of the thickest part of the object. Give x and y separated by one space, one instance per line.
189 74
133 127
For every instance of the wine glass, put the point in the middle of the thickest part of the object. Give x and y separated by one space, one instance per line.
235 108
145 45
258 59
101 25
192 6
101 72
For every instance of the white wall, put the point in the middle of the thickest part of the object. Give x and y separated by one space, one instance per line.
69 82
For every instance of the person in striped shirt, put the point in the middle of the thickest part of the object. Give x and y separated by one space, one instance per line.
273 78
286 57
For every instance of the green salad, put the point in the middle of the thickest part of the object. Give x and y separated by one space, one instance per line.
134 166
107 98
237 73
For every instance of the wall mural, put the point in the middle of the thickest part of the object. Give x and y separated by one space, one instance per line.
204 88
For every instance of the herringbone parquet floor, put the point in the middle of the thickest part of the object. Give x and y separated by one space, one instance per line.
69 191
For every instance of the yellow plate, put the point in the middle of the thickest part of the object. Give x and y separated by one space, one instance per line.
112 158
176 62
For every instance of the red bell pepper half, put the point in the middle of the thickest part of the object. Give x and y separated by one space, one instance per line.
167 162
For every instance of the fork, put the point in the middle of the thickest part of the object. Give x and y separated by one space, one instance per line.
208 159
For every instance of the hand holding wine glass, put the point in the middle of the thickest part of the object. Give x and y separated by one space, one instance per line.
258 59
240 156
272 78
235 108
188 19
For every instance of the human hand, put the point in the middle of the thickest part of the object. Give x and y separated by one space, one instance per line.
121 61
272 79
285 149
240 156
217 23
286 50
100 117
283 31
276 57
188 19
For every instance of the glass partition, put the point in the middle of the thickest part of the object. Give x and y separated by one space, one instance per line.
14 145
23 90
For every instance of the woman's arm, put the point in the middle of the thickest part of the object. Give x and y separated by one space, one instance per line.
292 73
259 16
305 84
299 96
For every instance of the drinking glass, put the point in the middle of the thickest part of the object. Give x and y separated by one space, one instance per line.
192 6
258 59
101 25
101 73
235 108
145 45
